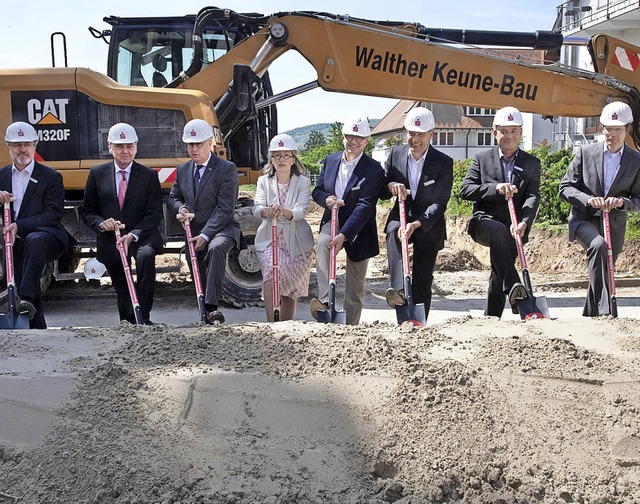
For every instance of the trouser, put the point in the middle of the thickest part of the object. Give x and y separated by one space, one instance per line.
425 252
30 255
503 252
355 277
589 235
145 257
212 263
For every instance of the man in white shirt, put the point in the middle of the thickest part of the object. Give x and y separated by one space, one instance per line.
423 176
602 176
351 181
36 231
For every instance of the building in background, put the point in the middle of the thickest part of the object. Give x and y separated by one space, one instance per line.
460 132
582 19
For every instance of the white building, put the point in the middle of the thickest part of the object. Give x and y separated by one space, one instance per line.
460 132
581 19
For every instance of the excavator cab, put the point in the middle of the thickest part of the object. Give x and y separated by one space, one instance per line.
153 51
160 51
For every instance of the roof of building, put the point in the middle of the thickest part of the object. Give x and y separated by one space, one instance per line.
446 117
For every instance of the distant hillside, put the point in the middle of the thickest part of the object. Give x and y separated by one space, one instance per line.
301 134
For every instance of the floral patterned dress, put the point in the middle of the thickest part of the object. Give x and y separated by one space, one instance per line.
293 271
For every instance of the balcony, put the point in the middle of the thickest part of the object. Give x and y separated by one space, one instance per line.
588 17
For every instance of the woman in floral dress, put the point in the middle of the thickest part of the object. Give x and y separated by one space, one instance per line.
283 193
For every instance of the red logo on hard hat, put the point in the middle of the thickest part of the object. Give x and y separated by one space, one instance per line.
614 116
193 132
417 122
122 135
280 143
355 128
20 133
510 117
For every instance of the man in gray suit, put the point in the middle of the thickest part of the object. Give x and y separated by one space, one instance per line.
207 186
602 176
495 175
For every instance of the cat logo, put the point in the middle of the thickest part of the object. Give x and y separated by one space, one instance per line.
50 111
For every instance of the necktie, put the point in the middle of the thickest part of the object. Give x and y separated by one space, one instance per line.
122 188
196 177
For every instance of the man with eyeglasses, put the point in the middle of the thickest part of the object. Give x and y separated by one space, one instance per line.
207 186
37 234
602 176
125 192
351 181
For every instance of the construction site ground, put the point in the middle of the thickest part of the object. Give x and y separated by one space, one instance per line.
469 409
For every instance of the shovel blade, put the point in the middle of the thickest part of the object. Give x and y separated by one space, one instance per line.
533 308
14 321
332 316
412 313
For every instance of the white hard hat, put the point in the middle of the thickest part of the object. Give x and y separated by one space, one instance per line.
197 130
122 133
507 116
419 119
93 269
616 114
357 126
21 132
283 142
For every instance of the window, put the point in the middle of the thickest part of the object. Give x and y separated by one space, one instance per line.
442 138
479 111
486 138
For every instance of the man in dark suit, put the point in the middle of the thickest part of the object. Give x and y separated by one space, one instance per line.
423 176
602 176
495 175
123 191
207 186
350 180
36 230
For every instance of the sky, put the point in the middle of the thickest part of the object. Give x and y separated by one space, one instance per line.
26 27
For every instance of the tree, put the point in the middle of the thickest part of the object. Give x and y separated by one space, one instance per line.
315 139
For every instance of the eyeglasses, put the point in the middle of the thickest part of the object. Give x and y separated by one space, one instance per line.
21 145
281 156
352 138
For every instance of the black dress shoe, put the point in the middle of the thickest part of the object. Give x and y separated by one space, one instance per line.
148 322
214 316
315 305
395 298
517 292
25 306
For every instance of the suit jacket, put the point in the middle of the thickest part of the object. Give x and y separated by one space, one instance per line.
430 201
585 179
42 207
357 218
141 211
215 201
485 173
297 232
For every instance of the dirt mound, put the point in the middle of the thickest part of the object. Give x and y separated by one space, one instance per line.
472 410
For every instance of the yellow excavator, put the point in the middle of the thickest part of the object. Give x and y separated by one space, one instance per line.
164 71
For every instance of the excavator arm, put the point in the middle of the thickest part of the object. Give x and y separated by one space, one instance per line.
362 57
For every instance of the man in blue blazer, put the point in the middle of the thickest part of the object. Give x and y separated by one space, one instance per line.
495 175
207 186
602 176
423 176
37 233
350 180
123 191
